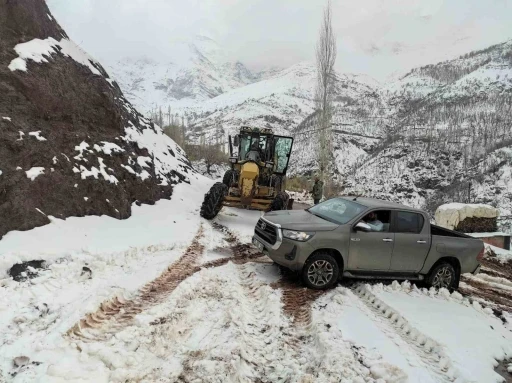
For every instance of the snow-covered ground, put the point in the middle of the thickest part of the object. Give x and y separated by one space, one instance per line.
167 296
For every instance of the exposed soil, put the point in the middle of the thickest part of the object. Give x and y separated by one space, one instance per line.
27 270
500 299
478 225
501 369
68 105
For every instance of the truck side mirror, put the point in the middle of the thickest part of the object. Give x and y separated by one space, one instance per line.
361 226
236 140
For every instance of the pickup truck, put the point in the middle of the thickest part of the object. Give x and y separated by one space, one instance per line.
366 238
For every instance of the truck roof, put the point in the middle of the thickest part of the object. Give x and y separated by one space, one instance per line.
374 202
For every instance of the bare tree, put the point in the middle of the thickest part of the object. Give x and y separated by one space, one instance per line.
325 60
212 155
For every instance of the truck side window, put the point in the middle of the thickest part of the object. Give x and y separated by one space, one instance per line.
407 222
378 220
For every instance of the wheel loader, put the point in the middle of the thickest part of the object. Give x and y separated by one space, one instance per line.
256 178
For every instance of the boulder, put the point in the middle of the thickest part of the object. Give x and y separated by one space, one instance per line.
467 218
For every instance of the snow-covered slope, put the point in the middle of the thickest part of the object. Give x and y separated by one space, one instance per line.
70 142
199 71
439 125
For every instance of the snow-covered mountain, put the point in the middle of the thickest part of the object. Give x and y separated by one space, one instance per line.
429 132
200 71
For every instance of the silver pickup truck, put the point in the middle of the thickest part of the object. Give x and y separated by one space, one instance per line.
366 238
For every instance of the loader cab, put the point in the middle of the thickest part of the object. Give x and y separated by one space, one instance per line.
274 151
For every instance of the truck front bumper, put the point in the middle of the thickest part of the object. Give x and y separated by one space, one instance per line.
290 254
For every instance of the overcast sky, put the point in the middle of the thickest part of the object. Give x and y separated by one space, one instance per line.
376 37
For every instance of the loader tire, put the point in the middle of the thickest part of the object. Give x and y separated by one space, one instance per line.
213 200
280 202
228 177
277 182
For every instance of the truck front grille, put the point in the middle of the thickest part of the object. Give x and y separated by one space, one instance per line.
266 231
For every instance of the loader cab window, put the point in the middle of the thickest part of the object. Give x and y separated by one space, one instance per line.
283 148
250 142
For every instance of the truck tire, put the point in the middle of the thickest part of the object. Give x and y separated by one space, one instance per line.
443 275
320 272
213 200
280 202
228 177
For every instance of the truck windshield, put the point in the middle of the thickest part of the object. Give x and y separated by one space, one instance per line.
337 210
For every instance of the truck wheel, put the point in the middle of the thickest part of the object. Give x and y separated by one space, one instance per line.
442 275
320 271
213 200
228 177
280 202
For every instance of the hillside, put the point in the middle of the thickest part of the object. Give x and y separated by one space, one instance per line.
199 71
440 126
71 144
448 132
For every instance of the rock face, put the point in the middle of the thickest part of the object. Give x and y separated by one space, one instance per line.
70 143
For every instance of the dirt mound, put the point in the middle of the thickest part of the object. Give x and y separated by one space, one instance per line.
70 143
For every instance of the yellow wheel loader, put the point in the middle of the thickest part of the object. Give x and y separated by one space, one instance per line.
259 161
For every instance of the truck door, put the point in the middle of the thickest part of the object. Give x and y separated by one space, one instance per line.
372 250
412 241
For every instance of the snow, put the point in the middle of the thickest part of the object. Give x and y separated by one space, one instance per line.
108 148
468 344
502 254
225 323
166 155
34 172
40 51
449 215
1 172
6 118
37 135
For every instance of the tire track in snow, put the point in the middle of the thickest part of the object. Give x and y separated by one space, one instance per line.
297 299
117 312
416 347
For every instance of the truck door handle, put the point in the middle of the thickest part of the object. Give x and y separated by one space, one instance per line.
387 240
421 241
355 239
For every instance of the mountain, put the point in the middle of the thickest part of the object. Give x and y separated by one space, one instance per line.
447 136
200 71
420 139
70 142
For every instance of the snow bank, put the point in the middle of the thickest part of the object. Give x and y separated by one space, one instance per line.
157 226
465 349
450 215
41 50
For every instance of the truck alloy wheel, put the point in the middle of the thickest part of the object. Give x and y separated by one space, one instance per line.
443 277
320 271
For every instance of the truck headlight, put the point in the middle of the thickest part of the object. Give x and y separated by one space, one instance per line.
301 236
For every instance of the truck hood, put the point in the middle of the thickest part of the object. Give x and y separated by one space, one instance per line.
299 220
